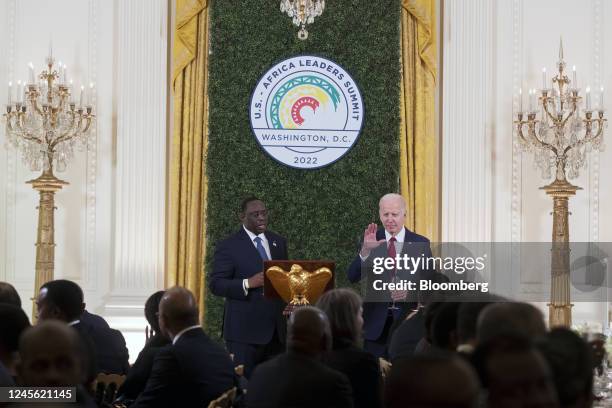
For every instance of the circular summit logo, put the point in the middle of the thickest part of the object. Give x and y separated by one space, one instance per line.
306 112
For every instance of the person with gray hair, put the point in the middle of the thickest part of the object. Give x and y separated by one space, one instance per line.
343 308
298 378
384 310
516 318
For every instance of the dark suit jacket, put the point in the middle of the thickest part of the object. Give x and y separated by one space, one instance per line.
140 371
362 370
293 380
111 354
248 318
375 313
406 337
190 373
92 319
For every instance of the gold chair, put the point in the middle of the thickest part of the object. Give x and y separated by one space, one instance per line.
106 386
225 400
385 368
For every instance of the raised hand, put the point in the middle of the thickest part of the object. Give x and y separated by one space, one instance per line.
369 240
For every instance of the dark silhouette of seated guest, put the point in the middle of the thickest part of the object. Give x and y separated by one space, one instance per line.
436 379
344 312
408 335
92 319
514 373
63 300
514 318
429 314
51 356
444 327
298 378
570 361
193 370
467 317
13 321
9 295
140 371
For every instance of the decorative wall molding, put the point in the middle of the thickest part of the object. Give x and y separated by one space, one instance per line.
467 127
140 177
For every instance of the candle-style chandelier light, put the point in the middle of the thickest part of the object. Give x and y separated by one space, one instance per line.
302 12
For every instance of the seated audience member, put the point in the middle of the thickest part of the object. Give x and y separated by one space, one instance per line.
408 335
444 327
298 378
467 317
9 295
514 373
92 319
569 359
429 313
193 370
141 370
437 379
63 300
13 321
343 310
51 356
514 318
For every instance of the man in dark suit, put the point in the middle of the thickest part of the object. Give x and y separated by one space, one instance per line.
384 310
253 327
63 300
298 378
193 370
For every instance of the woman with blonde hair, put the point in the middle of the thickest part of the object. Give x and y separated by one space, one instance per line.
343 308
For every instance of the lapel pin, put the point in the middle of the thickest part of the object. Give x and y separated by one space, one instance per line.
273 243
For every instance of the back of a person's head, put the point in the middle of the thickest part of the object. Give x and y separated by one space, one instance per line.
13 321
444 327
51 356
570 362
64 297
438 379
151 309
510 318
514 372
467 318
343 308
8 295
428 317
178 310
308 331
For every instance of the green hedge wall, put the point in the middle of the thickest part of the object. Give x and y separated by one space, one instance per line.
322 213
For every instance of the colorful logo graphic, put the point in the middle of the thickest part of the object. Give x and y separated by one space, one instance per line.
306 112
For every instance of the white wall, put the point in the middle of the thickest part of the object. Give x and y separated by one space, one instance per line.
109 225
491 190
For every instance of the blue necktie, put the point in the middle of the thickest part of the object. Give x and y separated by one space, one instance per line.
261 249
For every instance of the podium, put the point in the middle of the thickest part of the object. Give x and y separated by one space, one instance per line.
297 282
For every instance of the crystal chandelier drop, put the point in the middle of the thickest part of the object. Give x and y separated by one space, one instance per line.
302 12
45 122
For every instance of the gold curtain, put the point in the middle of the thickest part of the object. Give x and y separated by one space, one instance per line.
418 144
187 182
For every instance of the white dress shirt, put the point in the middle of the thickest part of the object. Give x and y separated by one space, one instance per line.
264 242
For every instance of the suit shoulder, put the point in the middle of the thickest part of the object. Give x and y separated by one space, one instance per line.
274 235
414 237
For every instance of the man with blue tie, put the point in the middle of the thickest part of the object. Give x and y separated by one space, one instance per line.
383 311
254 328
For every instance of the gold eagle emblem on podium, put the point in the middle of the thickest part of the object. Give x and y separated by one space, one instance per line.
299 287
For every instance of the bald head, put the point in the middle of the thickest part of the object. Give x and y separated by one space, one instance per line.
431 380
177 311
392 211
510 318
51 355
308 331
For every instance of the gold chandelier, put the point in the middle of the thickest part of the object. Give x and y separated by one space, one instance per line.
302 12
560 131
46 123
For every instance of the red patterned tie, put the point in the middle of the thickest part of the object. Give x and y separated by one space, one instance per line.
391 252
